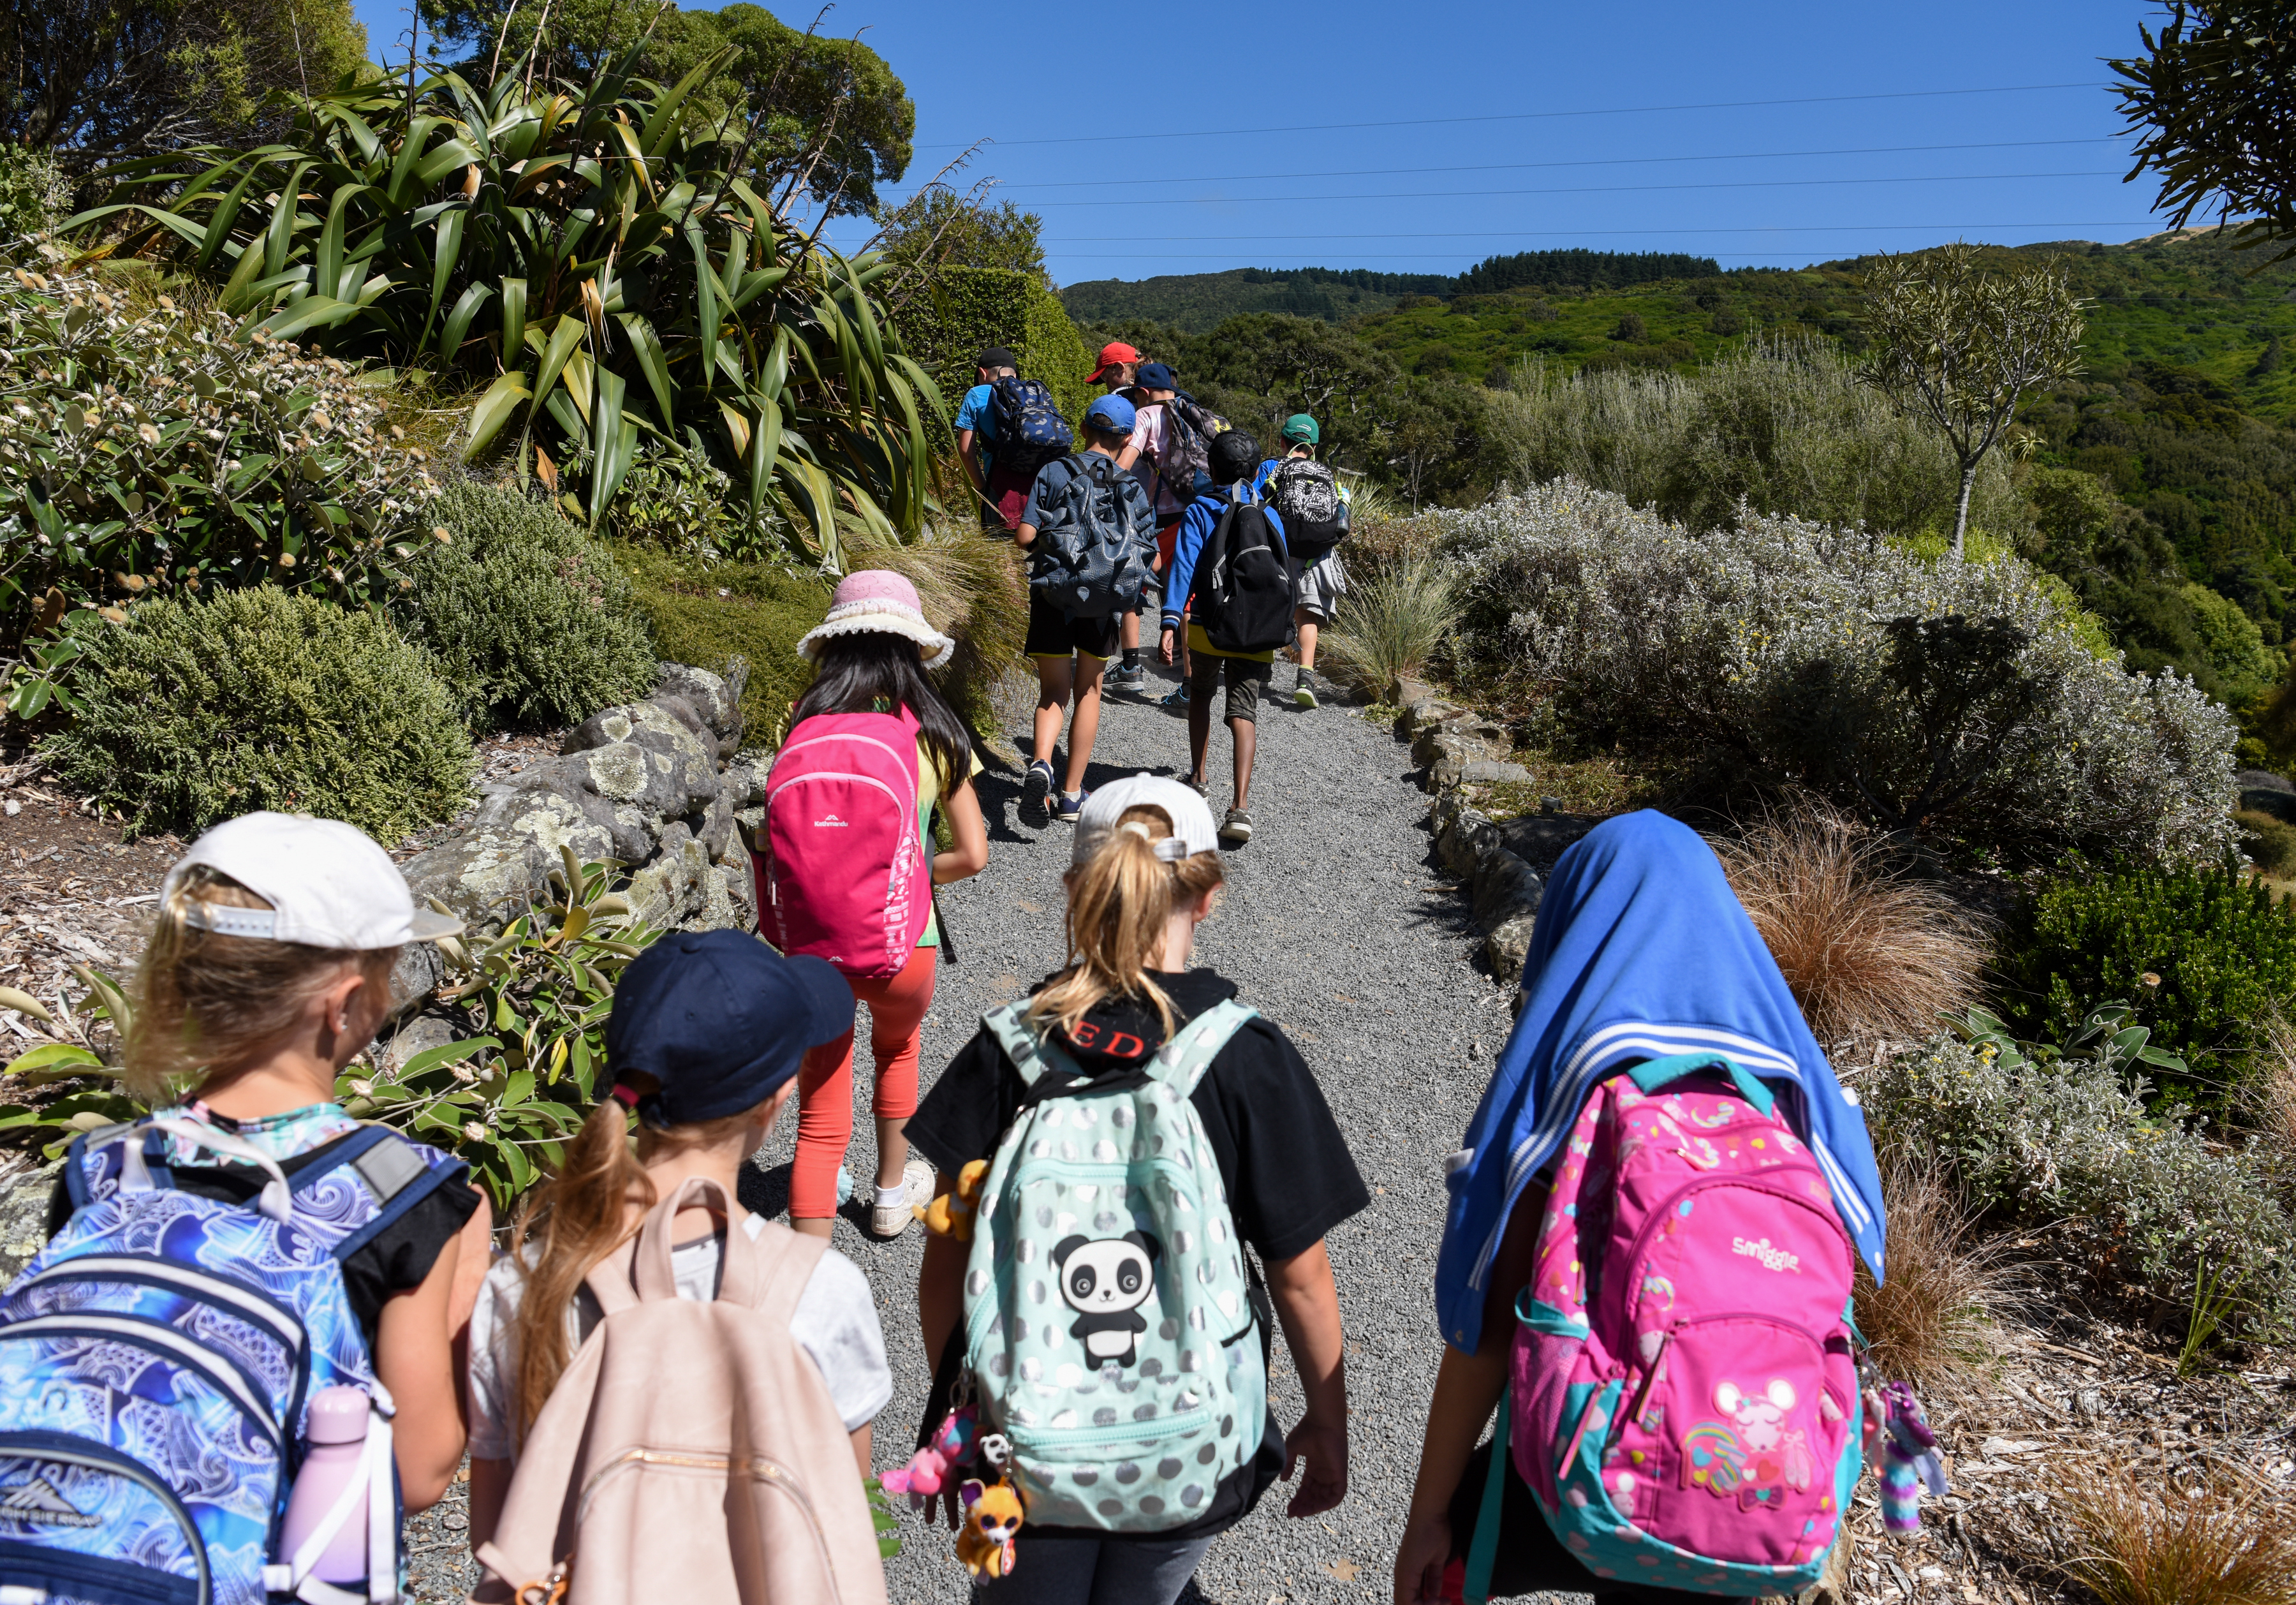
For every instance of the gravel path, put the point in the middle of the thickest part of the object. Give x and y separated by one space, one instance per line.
1333 926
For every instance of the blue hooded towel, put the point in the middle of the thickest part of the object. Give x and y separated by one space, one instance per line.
1641 951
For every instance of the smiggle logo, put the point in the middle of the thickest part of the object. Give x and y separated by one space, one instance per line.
1772 1259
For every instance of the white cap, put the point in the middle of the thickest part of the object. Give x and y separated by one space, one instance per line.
1192 830
328 884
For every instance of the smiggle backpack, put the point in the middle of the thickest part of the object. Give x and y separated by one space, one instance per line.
1683 1397
1108 1320
155 1361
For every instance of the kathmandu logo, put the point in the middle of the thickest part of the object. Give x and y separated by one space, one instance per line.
1772 1259
37 1504
829 820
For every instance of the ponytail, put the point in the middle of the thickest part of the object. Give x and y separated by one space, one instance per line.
1120 902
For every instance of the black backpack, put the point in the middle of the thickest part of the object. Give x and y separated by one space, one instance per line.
1306 496
1029 429
1090 559
1246 585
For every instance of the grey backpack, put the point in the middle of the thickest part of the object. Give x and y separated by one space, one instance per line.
1307 497
1090 559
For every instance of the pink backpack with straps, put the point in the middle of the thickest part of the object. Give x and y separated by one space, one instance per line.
1684 1395
842 873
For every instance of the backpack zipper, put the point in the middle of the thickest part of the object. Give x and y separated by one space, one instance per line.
758 1468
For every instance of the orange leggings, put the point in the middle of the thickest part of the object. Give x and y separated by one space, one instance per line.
824 1085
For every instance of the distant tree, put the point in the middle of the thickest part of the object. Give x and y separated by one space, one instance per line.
93 80
1956 339
836 122
2216 92
1630 327
941 228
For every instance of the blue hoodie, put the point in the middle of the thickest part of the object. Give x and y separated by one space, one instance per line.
1196 526
1641 950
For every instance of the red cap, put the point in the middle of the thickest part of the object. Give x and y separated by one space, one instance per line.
1111 354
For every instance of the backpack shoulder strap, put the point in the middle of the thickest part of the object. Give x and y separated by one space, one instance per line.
1181 1063
1031 1053
786 1263
398 1173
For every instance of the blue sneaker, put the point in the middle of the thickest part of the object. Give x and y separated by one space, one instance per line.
1038 785
1071 805
1176 699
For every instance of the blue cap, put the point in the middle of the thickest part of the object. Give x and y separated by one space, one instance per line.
721 1021
1113 414
1155 375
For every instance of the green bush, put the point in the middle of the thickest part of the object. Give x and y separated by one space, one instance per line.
195 712
529 621
2204 955
703 613
145 450
964 308
2145 1199
2269 843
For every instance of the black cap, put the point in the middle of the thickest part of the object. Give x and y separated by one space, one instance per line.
721 1021
997 357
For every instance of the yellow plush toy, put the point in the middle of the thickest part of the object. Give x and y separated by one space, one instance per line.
950 1214
992 1516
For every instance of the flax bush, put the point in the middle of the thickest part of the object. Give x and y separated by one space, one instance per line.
530 622
1965 701
2144 1201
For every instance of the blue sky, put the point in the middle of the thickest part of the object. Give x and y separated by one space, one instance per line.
1509 127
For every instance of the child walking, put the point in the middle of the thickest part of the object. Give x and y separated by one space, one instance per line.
268 969
1642 953
1313 506
705 1042
1126 1026
869 657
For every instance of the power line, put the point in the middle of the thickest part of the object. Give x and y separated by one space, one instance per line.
1510 166
1429 122
1599 189
1555 234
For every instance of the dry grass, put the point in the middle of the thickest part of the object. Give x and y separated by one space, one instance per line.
2139 1539
1870 954
1931 1322
2270 1104
1395 615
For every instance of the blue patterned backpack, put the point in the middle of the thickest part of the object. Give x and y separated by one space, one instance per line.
155 1361
1108 1323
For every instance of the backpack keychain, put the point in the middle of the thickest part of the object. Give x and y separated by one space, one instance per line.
993 1513
1900 1443
955 1444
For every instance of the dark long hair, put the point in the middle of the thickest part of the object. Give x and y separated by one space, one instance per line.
855 672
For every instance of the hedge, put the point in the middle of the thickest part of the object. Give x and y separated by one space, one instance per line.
967 309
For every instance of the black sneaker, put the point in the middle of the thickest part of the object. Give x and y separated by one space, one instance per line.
1037 788
1237 828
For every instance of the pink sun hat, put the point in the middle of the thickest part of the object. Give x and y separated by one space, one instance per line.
879 602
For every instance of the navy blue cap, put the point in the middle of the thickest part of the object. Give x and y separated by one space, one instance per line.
721 1021
1113 414
1155 375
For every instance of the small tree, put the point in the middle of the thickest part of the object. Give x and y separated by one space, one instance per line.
1957 341
2212 99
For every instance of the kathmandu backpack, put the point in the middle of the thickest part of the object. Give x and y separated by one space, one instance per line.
1029 429
1109 1325
1306 496
156 1359
1090 559
1247 585
1684 1396
842 873
1186 463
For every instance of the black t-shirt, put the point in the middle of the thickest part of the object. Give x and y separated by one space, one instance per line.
398 1257
1286 1168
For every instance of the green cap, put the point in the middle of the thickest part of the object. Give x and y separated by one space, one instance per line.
1300 426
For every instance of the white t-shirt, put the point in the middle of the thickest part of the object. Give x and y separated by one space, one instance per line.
835 1323
1148 433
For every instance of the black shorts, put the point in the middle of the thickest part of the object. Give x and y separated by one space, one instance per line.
1053 634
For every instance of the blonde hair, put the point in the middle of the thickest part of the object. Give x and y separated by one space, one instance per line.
205 1001
1120 900
580 1213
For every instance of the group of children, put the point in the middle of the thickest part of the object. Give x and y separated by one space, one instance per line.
1134 1176
1174 476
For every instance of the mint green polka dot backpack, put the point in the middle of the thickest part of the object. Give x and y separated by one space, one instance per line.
1107 1318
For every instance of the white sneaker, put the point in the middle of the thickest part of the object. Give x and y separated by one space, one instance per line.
888 1220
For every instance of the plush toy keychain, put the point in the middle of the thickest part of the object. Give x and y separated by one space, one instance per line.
931 1468
950 1214
1898 1440
993 1513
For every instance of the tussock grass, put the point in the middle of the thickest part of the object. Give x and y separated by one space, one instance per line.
1870 953
1391 623
2139 1539
1931 1322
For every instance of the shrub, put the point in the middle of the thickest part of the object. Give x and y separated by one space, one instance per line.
705 613
528 621
1957 699
2204 956
2145 1203
2136 1538
1869 953
674 497
34 192
1931 1321
2269 843
1395 616
948 320
144 450
195 712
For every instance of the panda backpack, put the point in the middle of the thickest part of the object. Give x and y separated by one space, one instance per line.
1109 1320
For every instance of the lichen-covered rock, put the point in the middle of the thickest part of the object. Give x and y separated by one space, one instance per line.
1507 892
1462 835
24 1217
1492 771
646 756
716 700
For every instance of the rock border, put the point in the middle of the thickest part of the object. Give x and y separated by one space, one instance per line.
1458 747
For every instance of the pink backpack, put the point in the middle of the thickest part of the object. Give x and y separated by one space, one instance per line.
842 874
1684 1399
